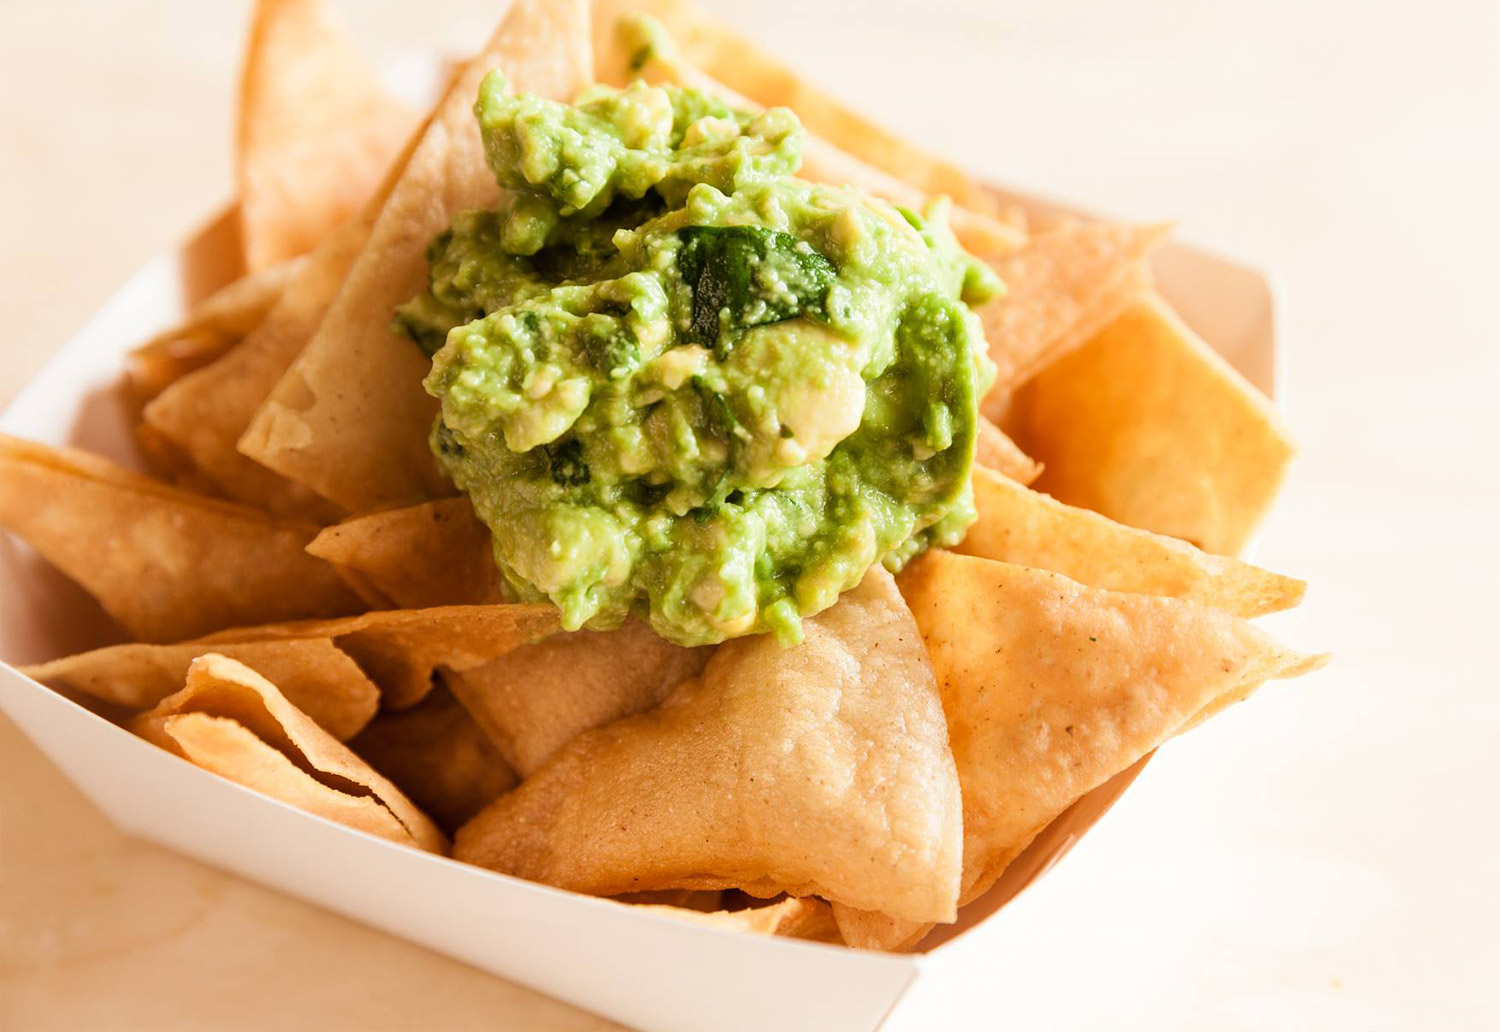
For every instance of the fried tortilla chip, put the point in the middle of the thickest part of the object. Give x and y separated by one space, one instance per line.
791 918
1064 286
1024 527
433 554
705 901
439 757
817 770
316 130
742 66
822 162
541 696
1051 687
402 648
367 448
165 563
204 413
212 328
1147 425
232 721
997 451
315 675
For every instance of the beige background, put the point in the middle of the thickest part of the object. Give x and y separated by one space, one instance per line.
1323 858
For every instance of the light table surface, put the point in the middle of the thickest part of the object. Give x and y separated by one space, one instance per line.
1320 858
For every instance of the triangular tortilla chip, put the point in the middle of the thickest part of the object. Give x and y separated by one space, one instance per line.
817 770
1147 425
350 418
822 162
995 450
433 554
314 674
742 66
1064 286
1051 687
204 413
316 131
232 721
1020 526
165 563
212 328
541 696
438 756
402 648
790 918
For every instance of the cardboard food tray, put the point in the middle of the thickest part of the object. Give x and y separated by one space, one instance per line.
646 970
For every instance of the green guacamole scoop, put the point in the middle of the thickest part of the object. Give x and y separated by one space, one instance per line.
677 381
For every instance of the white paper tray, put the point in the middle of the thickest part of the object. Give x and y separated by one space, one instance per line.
649 971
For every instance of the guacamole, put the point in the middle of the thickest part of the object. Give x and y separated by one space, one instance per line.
677 381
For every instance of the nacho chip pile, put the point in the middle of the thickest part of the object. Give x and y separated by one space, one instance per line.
314 615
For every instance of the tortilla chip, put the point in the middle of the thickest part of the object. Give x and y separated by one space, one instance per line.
1064 286
702 900
817 770
822 162
439 757
367 448
232 721
1030 529
995 450
402 648
1147 425
316 130
742 66
1051 687
204 414
536 699
314 674
213 326
166 564
790 918
433 554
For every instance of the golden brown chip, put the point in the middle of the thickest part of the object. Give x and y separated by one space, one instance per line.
316 130
1064 286
994 449
1020 526
817 770
742 66
541 696
791 918
402 648
314 674
213 326
1051 688
822 162
1147 425
165 563
232 721
204 413
367 448
438 756
433 554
